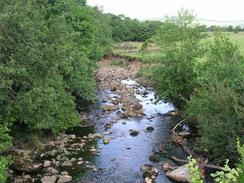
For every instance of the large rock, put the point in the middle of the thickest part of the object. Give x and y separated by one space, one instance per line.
49 179
180 174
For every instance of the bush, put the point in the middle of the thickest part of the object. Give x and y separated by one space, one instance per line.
218 104
217 110
3 168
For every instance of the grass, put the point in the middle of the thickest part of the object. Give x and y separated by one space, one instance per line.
152 53
238 38
133 49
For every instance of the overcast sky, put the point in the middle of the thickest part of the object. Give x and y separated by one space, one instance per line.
221 10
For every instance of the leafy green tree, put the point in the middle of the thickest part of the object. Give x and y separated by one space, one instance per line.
48 52
179 38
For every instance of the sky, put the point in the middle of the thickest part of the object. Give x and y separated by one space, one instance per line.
220 10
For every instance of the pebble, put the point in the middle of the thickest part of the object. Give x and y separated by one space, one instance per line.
106 140
46 163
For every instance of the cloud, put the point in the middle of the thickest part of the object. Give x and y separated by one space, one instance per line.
222 10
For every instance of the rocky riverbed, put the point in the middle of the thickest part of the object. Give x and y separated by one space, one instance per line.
122 146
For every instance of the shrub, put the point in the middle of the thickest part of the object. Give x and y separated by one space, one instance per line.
3 168
218 104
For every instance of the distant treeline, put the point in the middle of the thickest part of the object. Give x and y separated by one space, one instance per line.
127 29
229 28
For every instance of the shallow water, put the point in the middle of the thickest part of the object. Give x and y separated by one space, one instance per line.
121 159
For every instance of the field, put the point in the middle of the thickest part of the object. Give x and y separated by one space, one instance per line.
153 54
238 38
134 49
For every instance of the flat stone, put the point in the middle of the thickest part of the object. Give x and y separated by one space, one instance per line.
52 170
184 134
64 173
67 163
109 108
64 178
49 179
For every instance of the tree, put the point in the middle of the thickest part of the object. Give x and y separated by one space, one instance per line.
179 39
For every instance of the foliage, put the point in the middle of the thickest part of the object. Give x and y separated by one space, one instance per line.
127 29
3 168
47 55
228 175
179 39
218 104
194 174
240 165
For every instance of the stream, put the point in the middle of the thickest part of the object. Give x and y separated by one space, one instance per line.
120 160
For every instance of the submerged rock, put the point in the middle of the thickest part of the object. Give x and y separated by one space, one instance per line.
155 158
150 129
134 132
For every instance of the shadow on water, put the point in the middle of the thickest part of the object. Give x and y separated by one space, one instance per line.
121 159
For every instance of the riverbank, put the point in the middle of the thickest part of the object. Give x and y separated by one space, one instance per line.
128 130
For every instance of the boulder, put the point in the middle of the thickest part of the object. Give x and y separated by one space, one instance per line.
180 174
